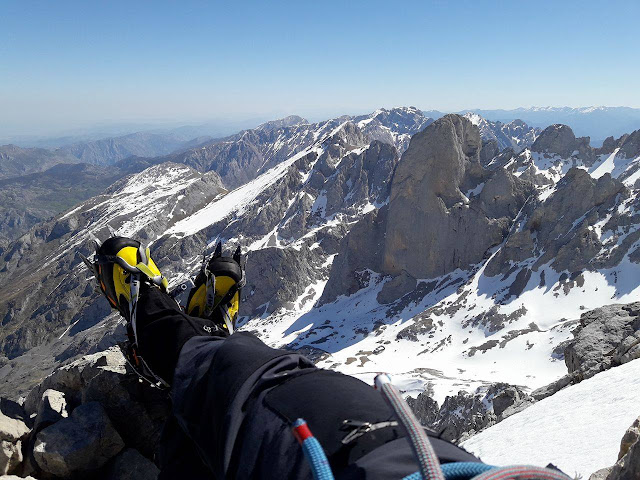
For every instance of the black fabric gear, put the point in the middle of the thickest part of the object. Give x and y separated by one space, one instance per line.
163 329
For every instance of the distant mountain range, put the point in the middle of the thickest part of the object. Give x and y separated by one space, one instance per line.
37 187
595 122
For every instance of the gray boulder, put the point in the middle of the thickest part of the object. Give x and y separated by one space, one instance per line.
137 410
70 379
10 456
553 387
52 408
12 429
81 443
605 337
131 465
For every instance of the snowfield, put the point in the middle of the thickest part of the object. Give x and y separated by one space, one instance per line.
578 429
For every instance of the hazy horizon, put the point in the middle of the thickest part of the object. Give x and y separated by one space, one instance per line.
76 65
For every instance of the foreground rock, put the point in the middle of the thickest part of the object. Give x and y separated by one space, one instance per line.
91 418
131 465
136 410
13 432
12 422
605 337
83 442
628 465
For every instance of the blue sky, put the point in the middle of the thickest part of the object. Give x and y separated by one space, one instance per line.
66 64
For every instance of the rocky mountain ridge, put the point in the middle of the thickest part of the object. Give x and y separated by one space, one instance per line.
451 266
362 168
516 134
16 161
110 151
339 196
27 199
30 199
242 157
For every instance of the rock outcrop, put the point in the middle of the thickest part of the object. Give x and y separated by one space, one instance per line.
431 227
562 226
560 141
91 418
81 443
606 337
465 414
628 465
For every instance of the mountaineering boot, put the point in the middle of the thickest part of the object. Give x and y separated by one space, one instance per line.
116 260
216 291
123 269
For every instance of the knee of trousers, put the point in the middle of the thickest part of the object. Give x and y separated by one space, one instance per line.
325 399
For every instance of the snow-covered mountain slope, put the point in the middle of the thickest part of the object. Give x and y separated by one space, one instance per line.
556 150
439 268
578 429
516 134
302 205
395 126
501 319
44 293
464 328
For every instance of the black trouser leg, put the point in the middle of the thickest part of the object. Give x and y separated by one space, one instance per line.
235 399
